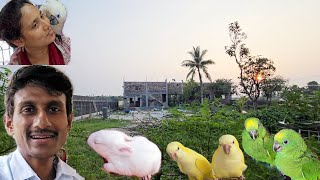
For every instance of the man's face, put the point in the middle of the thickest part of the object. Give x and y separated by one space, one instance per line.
39 124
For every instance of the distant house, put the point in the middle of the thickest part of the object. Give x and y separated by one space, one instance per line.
150 94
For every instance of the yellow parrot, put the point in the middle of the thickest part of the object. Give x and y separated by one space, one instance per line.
196 166
228 159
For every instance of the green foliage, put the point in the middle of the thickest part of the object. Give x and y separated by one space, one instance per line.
191 92
6 142
215 105
4 78
241 103
305 105
313 86
271 115
221 87
175 113
205 110
272 85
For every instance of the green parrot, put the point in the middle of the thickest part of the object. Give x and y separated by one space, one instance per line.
257 142
293 157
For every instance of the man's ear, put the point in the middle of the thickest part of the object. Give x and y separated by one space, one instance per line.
18 42
70 117
8 124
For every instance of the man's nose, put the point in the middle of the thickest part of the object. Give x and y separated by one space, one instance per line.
42 121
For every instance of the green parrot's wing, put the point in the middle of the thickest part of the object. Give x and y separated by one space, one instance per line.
268 145
203 165
256 148
262 131
247 143
311 166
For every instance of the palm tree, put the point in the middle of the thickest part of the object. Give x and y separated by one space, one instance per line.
196 65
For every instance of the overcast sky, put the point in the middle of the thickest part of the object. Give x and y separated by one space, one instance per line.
139 40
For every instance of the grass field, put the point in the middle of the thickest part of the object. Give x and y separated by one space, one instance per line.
199 135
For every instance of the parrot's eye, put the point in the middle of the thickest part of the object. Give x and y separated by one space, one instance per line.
232 142
285 142
58 15
178 148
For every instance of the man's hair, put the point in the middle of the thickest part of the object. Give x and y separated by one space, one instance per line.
46 77
10 20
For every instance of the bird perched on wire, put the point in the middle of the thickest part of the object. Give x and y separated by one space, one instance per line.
56 12
293 157
228 159
257 142
196 166
125 155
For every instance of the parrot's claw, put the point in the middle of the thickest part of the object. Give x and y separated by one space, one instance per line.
242 177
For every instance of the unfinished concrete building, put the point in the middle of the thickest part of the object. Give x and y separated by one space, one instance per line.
150 94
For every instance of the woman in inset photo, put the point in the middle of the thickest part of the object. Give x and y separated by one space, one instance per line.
35 34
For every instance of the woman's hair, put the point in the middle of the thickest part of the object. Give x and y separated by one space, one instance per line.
46 77
10 25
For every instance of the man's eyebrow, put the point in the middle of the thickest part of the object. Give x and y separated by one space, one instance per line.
56 102
24 103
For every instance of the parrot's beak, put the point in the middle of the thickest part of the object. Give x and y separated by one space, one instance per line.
253 134
173 156
276 147
226 148
53 20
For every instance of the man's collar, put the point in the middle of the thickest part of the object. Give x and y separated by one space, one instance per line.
20 168
64 169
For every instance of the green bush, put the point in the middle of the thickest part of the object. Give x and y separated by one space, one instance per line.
271 115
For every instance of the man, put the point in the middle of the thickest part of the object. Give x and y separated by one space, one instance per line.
38 116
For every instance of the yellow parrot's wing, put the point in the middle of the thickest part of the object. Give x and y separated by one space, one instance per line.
180 167
244 166
215 154
203 165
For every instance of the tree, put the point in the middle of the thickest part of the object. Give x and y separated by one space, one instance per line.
312 86
6 141
196 65
253 70
272 85
4 74
190 91
222 87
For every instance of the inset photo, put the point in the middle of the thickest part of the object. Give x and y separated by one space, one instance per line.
32 33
